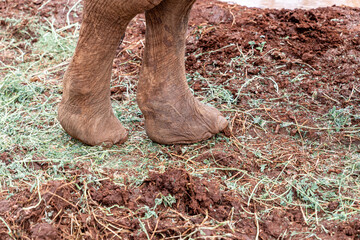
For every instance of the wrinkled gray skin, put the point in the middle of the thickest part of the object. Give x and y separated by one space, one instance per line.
172 114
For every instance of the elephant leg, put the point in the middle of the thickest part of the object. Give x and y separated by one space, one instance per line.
172 114
85 110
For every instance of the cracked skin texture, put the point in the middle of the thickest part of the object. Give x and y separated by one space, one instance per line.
172 114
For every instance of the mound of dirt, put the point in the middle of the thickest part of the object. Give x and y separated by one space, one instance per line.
166 205
324 40
171 203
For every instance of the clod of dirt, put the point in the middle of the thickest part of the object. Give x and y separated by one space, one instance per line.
193 196
5 158
4 206
43 231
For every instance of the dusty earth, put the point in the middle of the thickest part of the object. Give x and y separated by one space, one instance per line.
314 53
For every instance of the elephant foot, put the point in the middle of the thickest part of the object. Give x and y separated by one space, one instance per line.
92 125
172 114
183 120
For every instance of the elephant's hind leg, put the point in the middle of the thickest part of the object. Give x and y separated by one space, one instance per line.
85 110
172 114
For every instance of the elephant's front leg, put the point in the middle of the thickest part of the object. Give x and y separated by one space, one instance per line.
172 114
85 110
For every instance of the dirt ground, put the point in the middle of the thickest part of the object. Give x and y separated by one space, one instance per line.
314 53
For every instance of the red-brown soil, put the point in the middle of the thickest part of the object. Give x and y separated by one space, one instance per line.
113 211
313 53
